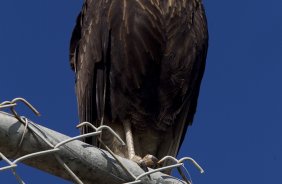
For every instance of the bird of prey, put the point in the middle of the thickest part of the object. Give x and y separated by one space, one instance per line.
138 67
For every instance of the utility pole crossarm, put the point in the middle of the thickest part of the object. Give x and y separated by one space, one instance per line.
88 163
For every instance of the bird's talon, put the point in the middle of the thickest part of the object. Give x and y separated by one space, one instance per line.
150 161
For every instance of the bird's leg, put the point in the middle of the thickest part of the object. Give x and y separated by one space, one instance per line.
148 160
129 139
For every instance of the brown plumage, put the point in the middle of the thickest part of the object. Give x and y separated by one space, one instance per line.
142 62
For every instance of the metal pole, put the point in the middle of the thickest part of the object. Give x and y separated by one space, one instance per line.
90 164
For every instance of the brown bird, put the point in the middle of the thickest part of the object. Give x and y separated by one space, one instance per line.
138 66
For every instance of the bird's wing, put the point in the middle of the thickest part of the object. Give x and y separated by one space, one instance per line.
86 56
183 71
114 51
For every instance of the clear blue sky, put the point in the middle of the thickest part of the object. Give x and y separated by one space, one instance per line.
236 135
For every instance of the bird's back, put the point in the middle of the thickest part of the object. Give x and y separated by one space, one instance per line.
142 61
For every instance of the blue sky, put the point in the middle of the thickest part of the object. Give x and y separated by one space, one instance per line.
236 135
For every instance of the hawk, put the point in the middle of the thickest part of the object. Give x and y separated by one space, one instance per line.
138 68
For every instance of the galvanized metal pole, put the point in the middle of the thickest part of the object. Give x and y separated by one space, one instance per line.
88 163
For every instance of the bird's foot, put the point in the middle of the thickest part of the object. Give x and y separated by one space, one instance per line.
145 162
150 161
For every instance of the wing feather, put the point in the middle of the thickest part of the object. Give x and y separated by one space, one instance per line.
187 50
86 58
